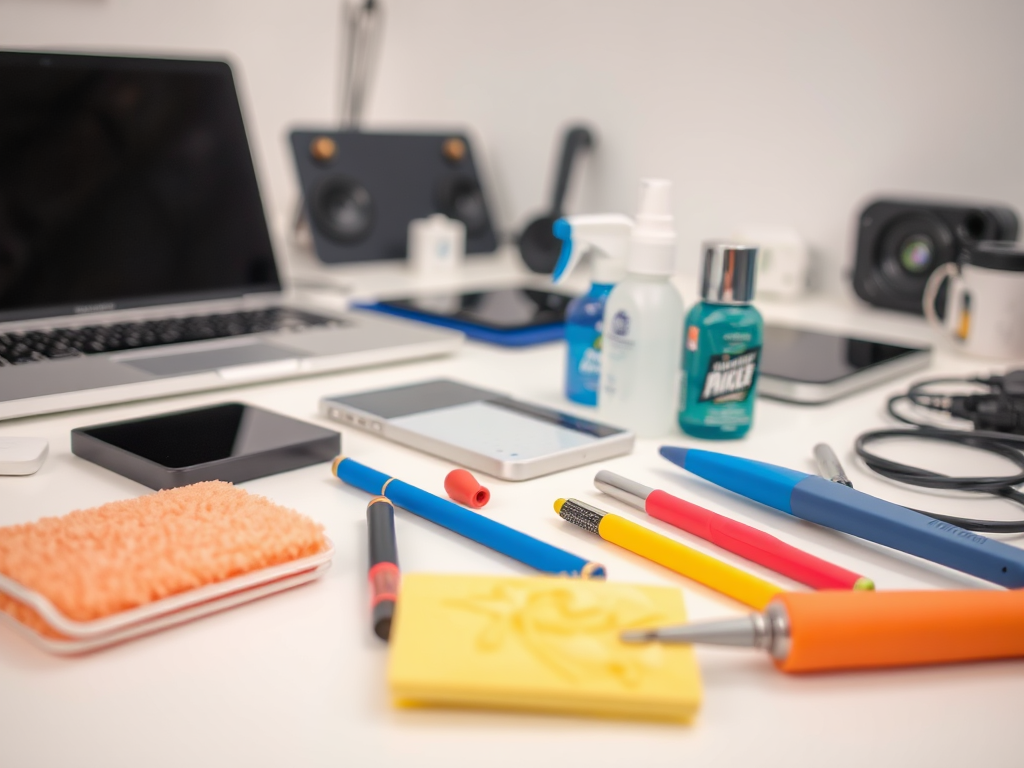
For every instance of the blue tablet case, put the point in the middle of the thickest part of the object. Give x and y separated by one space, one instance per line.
520 337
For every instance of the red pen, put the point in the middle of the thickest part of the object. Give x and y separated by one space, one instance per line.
739 538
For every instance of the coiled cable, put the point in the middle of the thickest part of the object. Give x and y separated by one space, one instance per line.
1001 405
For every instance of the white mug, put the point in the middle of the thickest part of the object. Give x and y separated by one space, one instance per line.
436 244
985 300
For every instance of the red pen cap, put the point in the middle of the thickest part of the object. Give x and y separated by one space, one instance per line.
464 488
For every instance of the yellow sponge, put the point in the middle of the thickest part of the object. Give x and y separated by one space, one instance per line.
545 644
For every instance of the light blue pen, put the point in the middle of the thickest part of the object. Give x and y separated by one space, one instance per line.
845 509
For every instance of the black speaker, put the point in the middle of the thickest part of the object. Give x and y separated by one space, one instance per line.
901 242
361 190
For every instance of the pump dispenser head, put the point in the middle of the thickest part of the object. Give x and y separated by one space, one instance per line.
653 247
603 235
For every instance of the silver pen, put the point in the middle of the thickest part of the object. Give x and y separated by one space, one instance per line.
829 466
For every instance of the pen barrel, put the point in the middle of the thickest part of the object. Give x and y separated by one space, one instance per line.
854 630
746 541
767 483
682 514
709 571
508 541
384 581
380 522
867 517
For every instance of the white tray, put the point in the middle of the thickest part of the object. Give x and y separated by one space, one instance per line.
160 614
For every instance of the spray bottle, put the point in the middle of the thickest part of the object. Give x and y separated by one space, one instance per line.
643 321
605 237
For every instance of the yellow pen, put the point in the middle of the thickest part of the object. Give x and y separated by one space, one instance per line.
709 571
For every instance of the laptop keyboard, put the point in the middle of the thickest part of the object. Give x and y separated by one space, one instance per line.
56 343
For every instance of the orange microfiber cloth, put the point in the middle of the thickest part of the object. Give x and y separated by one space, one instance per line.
98 562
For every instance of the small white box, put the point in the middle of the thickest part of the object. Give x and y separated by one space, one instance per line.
783 261
22 455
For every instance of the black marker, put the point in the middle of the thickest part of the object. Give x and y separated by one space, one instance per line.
384 574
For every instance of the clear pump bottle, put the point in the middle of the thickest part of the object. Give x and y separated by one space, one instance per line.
722 347
643 321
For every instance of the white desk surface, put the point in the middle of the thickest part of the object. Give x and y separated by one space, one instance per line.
298 679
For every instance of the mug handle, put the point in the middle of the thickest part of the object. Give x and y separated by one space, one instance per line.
952 322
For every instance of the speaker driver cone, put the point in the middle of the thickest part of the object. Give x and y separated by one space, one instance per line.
343 209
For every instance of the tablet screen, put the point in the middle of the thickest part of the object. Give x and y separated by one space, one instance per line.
507 309
809 356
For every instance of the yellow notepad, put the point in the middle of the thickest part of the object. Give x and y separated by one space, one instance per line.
544 644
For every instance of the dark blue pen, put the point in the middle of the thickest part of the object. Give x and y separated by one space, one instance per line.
845 509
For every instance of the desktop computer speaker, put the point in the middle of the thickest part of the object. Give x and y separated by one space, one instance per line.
361 190
901 242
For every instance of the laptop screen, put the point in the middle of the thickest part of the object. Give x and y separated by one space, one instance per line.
124 182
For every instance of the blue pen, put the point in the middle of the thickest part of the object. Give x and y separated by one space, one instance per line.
481 529
848 510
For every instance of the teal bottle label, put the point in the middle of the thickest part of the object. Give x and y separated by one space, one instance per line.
721 355
729 378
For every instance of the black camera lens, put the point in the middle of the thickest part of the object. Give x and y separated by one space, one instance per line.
917 254
342 209
909 250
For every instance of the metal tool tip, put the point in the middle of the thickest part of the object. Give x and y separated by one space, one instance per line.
638 635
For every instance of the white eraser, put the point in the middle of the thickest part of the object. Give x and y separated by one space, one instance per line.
22 455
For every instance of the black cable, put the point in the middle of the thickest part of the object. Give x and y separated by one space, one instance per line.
999 405
1008 446
935 402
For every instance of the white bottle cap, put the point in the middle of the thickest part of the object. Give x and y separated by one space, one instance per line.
653 247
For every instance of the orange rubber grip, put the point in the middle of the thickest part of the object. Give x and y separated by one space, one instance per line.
853 630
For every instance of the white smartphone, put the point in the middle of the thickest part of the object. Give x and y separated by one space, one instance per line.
479 429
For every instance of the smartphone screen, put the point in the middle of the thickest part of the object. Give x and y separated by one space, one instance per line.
478 420
821 358
188 438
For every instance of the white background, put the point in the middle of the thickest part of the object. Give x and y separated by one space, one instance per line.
790 112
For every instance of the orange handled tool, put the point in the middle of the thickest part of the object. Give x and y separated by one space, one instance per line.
817 631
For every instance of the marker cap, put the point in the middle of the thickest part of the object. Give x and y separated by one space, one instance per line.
465 489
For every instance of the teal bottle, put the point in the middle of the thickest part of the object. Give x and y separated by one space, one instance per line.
722 347
583 330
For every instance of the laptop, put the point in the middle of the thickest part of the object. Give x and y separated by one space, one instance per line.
135 256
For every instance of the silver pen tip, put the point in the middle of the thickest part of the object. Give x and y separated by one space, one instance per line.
638 635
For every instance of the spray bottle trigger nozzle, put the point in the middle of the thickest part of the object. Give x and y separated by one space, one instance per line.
606 235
